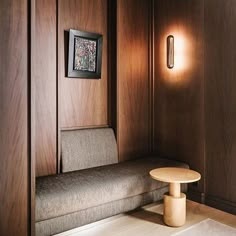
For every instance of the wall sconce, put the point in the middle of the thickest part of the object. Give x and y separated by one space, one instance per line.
170 51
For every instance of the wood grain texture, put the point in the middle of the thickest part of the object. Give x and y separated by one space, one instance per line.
220 99
83 102
13 119
45 85
179 92
175 175
32 116
133 117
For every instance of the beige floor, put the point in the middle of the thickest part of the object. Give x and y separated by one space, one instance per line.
148 222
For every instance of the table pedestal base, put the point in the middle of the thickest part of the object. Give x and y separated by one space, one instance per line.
175 210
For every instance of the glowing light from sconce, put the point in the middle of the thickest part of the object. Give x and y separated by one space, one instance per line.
181 54
170 51
176 52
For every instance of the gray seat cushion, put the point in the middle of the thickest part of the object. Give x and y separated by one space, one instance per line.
92 214
70 192
87 148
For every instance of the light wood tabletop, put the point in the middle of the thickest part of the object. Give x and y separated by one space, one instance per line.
175 175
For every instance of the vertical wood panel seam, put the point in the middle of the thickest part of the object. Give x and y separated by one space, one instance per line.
204 112
111 69
151 75
109 94
58 134
31 118
117 81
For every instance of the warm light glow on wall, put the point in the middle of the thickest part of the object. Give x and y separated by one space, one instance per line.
182 56
181 60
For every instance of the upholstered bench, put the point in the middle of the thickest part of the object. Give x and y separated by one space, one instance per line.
93 184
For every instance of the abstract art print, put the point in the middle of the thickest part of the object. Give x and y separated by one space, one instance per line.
85 53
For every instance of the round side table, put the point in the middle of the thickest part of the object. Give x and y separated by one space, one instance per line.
175 202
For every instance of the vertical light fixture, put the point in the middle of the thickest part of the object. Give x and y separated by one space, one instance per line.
170 51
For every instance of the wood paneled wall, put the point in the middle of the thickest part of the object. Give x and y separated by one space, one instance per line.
133 117
179 92
220 103
14 168
195 103
83 102
45 87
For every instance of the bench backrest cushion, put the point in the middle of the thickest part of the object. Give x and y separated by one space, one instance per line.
87 148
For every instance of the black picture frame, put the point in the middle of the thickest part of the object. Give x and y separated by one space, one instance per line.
91 68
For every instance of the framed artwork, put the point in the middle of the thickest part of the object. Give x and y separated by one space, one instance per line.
85 55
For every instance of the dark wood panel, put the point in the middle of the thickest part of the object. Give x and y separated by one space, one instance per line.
83 102
13 119
112 64
45 85
179 92
133 78
220 98
219 203
32 115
